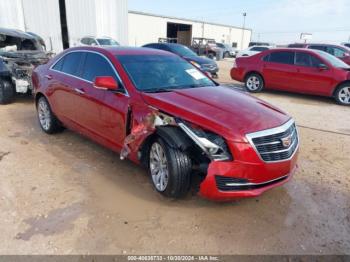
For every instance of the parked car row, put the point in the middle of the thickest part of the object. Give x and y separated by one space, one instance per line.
203 63
342 52
308 71
159 107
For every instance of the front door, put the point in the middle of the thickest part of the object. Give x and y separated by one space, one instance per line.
101 113
310 78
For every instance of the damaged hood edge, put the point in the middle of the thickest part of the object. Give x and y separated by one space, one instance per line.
226 112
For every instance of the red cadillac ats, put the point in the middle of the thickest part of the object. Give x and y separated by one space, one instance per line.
160 111
295 70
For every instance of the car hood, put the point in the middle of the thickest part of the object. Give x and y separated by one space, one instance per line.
201 60
230 113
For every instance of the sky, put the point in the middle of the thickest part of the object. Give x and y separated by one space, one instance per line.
277 21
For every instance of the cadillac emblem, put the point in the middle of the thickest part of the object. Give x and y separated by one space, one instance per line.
287 141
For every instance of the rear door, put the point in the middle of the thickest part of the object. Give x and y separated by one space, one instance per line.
279 69
63 81
102 113
309 77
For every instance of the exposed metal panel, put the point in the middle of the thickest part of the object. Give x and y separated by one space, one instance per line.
97 18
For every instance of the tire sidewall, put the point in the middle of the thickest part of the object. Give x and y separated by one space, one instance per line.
50 129
170 190
7 92
261 80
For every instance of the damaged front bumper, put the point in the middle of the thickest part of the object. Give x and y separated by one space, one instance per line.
240 179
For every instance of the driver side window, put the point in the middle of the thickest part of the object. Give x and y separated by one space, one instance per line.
96 65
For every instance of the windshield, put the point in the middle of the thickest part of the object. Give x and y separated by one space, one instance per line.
182 51
162 73
334 61
107 41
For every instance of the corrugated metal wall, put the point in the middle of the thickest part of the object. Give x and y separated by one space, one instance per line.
148 28
84 17
38 16
97 17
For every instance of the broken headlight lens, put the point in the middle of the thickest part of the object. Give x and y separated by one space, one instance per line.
212 144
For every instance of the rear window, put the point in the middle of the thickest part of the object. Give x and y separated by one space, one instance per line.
259 49
71 63
296 46
305 59
282 57
318 47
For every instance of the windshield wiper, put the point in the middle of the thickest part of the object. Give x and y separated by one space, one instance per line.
158 90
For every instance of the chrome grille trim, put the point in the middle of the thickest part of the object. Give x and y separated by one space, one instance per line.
269 147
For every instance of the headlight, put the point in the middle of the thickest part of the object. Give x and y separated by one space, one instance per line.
212 144
195 64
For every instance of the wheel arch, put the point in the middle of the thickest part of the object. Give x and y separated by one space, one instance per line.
37 97
339 85
253 72
173 137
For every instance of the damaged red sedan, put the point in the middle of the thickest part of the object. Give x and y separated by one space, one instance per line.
160 111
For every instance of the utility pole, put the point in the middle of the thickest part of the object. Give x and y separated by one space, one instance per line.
243 29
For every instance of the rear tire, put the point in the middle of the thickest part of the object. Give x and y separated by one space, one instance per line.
254 83
342 94
170 169
7 92
47 120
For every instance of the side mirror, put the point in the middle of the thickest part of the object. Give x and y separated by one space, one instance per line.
106 83
322 67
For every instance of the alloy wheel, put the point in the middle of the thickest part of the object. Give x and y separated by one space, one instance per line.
253 83
159 167
44 114
344 95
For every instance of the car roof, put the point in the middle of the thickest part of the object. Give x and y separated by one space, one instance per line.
267 46
296 49
113 50
165 44
16 33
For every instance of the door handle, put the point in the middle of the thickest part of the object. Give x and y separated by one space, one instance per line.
48 77
79 91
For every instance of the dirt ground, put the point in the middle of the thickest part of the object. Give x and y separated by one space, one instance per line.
63 194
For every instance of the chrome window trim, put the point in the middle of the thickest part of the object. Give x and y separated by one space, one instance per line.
273 131
85 80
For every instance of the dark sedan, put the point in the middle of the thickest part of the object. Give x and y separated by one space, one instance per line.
203 63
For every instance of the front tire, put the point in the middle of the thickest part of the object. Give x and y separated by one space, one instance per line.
7 92
170 169
342 94
254 83
47 120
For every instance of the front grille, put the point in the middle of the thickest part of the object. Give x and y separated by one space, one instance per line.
240 184
269 143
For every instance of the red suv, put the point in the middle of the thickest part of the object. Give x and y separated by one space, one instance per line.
295 70
339 51
160 111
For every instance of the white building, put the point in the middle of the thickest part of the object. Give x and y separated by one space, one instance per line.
61 23
147 28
